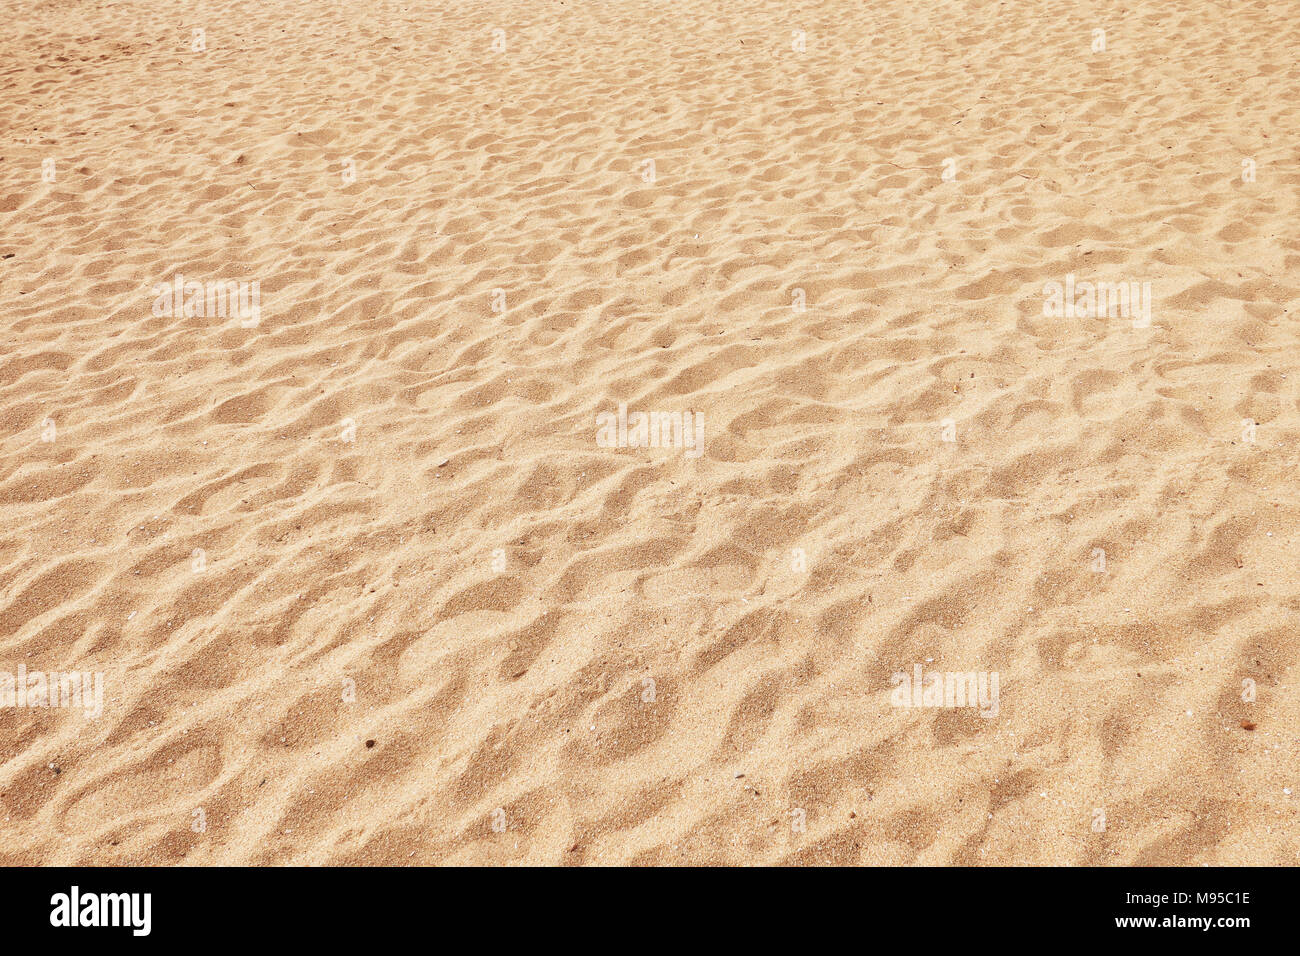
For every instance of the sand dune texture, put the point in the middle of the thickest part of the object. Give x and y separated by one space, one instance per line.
362 581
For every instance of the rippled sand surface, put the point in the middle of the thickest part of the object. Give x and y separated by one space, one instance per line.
365 585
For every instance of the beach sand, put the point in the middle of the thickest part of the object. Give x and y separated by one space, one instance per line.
364 585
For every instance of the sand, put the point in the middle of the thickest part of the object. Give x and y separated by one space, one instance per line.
362 579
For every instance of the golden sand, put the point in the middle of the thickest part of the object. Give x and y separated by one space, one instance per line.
362 584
